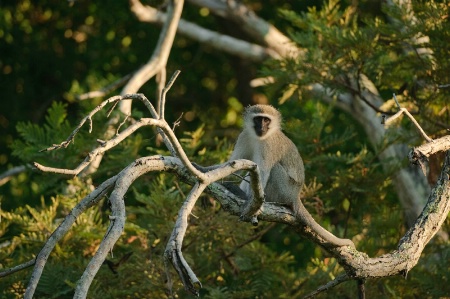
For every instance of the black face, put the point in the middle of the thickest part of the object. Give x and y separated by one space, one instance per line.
261 125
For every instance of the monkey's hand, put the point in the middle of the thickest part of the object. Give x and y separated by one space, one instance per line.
246 215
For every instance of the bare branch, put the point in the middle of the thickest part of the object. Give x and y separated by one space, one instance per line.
338 280
7 175
161 53
255 26
115 229
62 229
17 268
396 101
113 100
156 65
419 155
105 90
216 40
162 102
389 120
105 146
160 82
121 124
173 247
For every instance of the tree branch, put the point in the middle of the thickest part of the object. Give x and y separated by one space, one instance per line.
389 120
62 229
357 264
161 53
7 175
255 26
17 268
338 280
197 33
173 248
156 65
105 90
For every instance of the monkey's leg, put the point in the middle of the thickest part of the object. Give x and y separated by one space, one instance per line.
236 190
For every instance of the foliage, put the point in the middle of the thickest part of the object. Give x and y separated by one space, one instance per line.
401 51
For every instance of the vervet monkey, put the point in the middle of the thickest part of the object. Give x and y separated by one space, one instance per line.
280 165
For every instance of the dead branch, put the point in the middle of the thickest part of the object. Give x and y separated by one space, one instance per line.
253 25
173 248
389 120
113 100
331 284
105 90
430 148
161 53
155 66
356 264
102 148
7 175
62 229
219 41
17 268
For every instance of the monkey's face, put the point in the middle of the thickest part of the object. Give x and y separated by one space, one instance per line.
261 125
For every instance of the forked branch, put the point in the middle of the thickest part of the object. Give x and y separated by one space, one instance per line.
357 265
388 120
120 185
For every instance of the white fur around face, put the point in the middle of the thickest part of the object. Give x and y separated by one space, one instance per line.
264 111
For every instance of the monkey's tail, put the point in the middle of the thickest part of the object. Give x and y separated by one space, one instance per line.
305 218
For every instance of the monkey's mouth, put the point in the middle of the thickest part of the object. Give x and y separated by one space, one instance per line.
260 131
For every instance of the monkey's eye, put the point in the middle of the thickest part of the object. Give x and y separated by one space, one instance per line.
261 120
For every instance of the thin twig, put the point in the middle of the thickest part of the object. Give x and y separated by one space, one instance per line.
164 92
161 77
17 268
177 122
103 147
396 102
113 100
338 280
387 121
7 175
122 123
249 240
105 90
